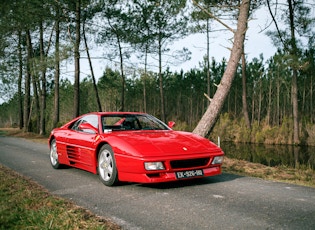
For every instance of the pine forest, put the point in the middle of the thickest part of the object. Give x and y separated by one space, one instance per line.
262 100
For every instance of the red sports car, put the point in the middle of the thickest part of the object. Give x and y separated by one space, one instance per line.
133 147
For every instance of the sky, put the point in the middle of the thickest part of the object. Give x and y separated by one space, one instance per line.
257 42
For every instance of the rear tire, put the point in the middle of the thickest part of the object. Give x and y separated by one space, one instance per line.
53 155
107 169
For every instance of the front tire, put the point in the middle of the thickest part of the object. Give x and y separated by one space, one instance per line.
107 169
53 155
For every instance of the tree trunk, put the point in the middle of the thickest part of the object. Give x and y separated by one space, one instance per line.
163 116
269 102
20 94
27 83
42 123
311 99
294 93
208 60
77 60
209 118
92 72
244 94
57 71
145 79
278 98
260 100
36 89
122 108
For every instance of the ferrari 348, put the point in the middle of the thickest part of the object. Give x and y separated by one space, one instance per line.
132 147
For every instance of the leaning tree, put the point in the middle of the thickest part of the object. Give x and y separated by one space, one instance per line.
210 116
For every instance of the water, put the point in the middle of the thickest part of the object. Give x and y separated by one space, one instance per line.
272 155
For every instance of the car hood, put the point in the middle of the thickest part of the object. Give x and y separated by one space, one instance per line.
160 143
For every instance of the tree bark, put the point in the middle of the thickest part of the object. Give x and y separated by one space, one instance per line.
208 60
122 108
77 60
42 123
294 92
20 94
27 83
163 116
92 72
145 79
209 118
57 71
36 89
244 92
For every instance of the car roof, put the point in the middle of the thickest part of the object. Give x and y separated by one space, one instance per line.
113 113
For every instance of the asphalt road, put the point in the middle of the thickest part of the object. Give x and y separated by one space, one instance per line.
221 202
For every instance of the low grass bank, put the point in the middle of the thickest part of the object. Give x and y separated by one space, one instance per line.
26 205
304 177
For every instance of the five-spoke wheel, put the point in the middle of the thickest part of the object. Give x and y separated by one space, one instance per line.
53 155
107 166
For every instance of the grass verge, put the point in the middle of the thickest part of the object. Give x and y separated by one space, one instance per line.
25 204
304 177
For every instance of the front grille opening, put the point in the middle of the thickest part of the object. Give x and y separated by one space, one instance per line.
190 163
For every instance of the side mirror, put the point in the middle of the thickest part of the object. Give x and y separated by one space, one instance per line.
171 124
87 127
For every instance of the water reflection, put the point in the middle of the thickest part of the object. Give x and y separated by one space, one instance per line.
272 155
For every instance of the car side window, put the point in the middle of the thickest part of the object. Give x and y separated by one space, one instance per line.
75 126
91 119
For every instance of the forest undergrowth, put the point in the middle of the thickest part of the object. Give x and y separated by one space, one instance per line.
231 129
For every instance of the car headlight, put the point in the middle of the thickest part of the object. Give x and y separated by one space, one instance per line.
217 160
154 165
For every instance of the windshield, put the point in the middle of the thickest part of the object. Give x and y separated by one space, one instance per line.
120 122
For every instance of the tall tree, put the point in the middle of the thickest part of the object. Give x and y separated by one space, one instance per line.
168 24
27 85
211 114
297 17
56 115
88 14
244 92
115 33
20 96
203 25
91 68
13 22
76 98
156 25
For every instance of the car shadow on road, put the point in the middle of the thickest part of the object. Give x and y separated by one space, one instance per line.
224 177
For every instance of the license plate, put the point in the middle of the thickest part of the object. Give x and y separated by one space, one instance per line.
189 174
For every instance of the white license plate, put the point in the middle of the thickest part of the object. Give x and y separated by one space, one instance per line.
189 174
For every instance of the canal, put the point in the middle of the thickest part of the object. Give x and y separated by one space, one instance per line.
302 157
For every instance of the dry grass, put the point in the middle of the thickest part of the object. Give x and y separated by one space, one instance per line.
15 132
25 204
305 177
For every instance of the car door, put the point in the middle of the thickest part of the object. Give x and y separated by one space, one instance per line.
81 144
